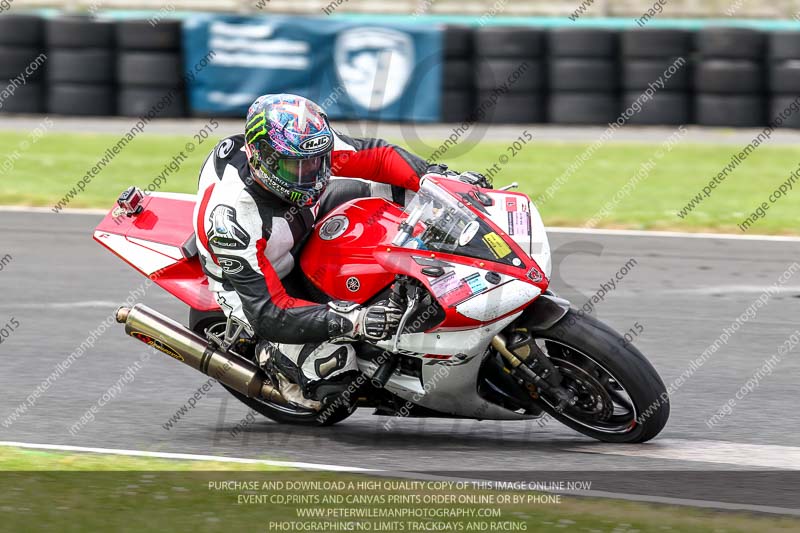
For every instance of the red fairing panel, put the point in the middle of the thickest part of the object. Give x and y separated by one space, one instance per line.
159 243
186 281
339 257
350 257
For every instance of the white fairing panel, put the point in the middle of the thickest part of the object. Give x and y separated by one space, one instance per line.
138 254
448 386
499 301
540 245
516 215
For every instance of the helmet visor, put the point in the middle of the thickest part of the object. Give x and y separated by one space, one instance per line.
300 172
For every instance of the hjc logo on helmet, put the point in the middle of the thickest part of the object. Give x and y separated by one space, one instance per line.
316 144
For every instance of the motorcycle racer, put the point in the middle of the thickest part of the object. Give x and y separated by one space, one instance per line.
259 195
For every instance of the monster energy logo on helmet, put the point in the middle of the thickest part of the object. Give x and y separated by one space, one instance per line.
256 128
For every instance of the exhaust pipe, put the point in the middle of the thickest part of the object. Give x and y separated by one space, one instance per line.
173 339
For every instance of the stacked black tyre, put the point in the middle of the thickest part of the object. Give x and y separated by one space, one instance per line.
729 78
583 76
509 75
458 83
21 64
784 78
80 66
656 76
149 69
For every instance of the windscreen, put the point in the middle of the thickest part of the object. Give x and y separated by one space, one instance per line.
442 223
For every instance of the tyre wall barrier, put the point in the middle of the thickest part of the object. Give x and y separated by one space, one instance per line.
713 76
82 66
21 74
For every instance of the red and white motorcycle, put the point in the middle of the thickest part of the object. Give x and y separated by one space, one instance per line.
482 336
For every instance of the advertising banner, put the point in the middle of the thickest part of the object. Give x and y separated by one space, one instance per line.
355 70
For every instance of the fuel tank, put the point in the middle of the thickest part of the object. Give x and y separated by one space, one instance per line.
339 257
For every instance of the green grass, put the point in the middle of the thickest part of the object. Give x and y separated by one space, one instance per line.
21 459
42 175
71 492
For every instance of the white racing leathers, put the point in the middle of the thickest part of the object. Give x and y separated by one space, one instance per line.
248 243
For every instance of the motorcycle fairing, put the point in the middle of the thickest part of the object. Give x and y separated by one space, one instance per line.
472 290
159 243
514 213
448 388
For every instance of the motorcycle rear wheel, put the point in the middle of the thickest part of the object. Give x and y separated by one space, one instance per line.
199 322
622 399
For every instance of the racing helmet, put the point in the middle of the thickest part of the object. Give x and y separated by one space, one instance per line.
288 142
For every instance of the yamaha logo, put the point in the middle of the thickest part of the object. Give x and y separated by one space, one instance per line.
353 284
316 144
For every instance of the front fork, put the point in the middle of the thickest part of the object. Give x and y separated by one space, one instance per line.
528 364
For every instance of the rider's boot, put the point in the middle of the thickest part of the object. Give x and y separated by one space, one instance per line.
311 376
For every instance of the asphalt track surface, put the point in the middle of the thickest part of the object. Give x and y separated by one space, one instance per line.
60 285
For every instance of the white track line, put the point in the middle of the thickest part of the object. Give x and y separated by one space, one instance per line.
568 230
671 234
706 451
664 500
65 211
185 456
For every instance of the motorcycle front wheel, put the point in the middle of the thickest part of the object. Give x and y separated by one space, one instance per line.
620 397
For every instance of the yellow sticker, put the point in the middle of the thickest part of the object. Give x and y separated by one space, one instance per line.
497 245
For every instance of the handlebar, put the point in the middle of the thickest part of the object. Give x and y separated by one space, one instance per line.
406 228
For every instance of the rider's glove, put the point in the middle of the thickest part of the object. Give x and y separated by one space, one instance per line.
475 178
350 322
442 169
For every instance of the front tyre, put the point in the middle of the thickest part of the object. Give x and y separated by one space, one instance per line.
620 396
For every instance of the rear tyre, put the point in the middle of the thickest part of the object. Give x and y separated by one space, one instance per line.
621 396
200 321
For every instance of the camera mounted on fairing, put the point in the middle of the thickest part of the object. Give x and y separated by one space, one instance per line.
130 201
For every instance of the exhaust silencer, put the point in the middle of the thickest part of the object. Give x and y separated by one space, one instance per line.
173 339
